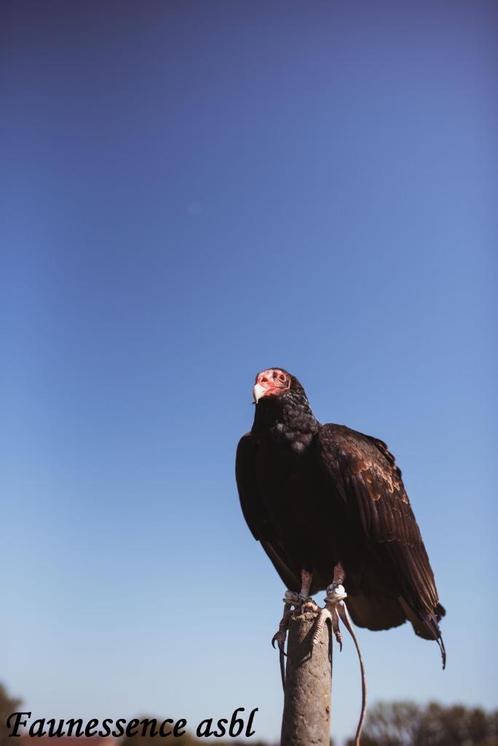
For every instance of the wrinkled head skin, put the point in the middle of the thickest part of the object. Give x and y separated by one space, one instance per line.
276 382
271 382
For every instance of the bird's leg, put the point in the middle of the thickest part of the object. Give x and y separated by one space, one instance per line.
290 599
339 574
293 601
301 601
307 603
336 594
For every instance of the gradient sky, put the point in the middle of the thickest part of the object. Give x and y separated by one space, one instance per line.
193 191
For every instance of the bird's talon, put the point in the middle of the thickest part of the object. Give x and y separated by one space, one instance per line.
279 638
308 604
292 598
320 623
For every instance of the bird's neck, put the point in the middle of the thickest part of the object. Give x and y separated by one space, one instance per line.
285 419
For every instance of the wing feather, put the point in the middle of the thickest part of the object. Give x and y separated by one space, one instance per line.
256 515
365 475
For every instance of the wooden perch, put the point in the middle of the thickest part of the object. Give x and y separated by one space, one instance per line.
307 704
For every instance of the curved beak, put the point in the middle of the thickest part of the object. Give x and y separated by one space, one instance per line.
257 392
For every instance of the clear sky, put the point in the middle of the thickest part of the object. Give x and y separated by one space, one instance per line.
193 191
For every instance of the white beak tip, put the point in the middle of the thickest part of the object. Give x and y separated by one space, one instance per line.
258 391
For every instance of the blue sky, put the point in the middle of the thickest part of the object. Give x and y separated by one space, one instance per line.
194 191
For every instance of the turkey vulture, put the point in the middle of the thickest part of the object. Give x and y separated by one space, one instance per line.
319 497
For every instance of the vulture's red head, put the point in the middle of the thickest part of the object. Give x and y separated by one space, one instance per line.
276 382
271 382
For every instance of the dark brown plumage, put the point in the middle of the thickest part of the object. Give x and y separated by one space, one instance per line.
315 495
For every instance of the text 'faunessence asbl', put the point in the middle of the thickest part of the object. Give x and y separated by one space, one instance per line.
238 724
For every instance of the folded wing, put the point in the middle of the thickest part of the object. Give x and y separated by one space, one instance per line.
363 472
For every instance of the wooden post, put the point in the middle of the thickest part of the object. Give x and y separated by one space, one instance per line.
307 700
